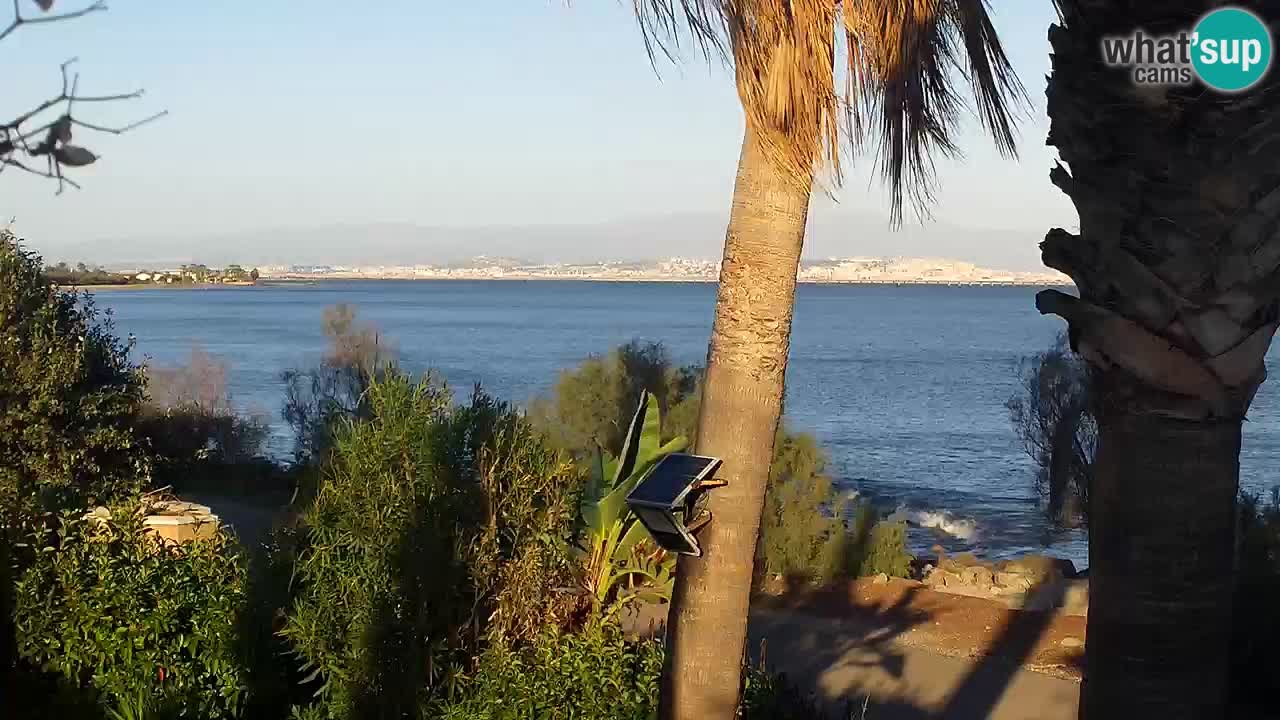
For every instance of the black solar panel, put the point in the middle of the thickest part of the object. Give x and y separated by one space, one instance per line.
668 482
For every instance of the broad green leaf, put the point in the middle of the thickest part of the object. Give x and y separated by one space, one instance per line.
651 431
635 433
636 534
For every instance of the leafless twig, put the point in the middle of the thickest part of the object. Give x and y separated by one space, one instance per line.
19 20
52 140
10 162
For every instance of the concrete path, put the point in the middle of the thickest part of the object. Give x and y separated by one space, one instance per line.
841 663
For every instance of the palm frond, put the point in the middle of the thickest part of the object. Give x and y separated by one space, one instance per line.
900 61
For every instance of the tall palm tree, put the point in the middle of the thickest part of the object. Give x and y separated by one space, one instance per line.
811 74
1177 263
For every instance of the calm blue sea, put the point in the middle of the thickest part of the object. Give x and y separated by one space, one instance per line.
906 386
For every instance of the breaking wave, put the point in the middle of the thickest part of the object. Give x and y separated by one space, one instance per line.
941 520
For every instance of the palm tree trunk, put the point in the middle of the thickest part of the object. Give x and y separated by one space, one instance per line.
1161 543
1177 261
741 405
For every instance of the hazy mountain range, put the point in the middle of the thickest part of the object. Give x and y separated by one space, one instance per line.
832 234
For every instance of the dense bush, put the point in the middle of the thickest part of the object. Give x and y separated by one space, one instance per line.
592 404
806 531
799 525
69 399
112 608
595 675
434 529
193 427
590 675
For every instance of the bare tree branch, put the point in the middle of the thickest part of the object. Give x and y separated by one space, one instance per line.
120 130
19 21
10 162
52 140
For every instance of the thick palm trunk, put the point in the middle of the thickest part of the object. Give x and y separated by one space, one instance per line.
1160 546
741 405
1178 266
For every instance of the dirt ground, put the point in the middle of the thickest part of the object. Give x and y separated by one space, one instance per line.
951 625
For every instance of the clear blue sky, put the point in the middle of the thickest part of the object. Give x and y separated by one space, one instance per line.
431 112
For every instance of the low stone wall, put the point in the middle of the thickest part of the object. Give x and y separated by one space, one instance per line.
1034 582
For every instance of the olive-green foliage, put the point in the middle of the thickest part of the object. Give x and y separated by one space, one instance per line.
862 545
591 675
68 398
808 534
805 531
593 404
797 523
433 530
111 608
595 675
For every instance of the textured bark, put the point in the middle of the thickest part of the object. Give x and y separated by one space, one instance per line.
741 405
1177 262
1160 555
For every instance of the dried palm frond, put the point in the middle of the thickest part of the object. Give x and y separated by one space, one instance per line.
811 73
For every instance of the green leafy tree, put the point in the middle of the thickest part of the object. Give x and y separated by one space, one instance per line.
69 399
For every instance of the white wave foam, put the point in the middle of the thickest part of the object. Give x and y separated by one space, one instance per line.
961 528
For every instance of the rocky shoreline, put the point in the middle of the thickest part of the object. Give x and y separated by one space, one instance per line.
1031 582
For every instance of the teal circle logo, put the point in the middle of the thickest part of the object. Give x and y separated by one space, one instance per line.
1231 49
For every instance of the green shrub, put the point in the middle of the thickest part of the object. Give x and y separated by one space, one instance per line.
68 399
433 529
798 522
592 404
113 609
805 531
861 546
594 674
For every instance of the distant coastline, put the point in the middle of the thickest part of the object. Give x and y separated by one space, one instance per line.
157 286
287 279
846 271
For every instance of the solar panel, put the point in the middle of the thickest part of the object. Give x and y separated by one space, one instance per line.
672 479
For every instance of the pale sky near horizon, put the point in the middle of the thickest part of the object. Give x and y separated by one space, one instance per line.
510 112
